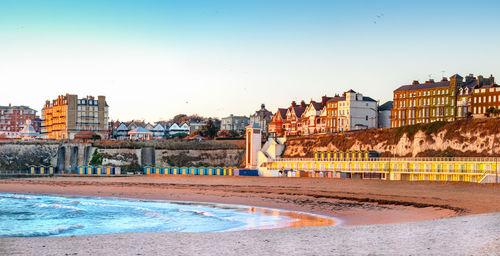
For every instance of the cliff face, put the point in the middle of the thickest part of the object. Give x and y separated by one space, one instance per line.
477 137
19 156
68 156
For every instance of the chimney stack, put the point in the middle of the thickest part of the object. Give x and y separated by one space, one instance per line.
294 104
415 82
303 104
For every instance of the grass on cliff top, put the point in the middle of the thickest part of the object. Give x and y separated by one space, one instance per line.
411 130
166 144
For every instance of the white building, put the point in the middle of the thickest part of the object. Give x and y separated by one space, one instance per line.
384 115
357 112
158 131
175 129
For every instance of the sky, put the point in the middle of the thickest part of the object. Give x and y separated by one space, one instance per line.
155 59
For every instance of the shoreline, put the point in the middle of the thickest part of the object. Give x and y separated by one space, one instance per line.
412 229
316 196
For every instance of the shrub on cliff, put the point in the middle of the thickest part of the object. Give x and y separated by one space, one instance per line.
96 158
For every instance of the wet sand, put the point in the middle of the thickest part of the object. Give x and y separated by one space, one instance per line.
354 202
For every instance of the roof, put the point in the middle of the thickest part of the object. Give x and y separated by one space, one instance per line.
335 99
351 90
253 125
282 111
412 87
29 131
139 130
17 108
385 106
456 76
368 99
317 105
299 110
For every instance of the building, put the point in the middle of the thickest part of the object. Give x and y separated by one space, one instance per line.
234 123
356 112
332 113
276 126
384 115
314 117
159 131
13 119
28 132
485 98
425 103
447 100
292 123
263 118
195 127
464 97
178 129
64 117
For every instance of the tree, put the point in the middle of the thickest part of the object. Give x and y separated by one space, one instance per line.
96 158
223 134
179 118
490 111
209 130
234 133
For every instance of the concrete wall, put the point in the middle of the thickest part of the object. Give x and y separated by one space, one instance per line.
68 156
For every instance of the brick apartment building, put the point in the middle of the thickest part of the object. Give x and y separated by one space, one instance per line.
67 116
447 100
13 119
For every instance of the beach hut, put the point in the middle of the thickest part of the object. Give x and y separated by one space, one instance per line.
184 170
33 169
158 170
99 170
169 170
81 170
110 170
219 171
211 170
148 170
175 170
193 171
201 171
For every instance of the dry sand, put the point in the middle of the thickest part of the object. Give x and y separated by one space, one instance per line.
358 203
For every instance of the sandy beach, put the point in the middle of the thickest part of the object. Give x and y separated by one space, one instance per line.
414 216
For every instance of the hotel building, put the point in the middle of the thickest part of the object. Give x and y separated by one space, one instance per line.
425 103
66 116
444 100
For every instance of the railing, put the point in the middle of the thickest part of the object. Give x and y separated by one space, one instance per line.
394 159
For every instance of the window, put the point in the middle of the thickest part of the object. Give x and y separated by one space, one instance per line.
366 118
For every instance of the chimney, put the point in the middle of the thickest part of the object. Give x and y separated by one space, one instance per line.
469 78
430 81
415 82
294 104
324 99
303 104
444 79
262 106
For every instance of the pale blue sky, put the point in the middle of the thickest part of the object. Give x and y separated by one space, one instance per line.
155 59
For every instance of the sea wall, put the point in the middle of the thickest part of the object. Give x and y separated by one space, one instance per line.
67 156
464 138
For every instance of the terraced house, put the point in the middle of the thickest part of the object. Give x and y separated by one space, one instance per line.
485 97
276 126
425 103
447 100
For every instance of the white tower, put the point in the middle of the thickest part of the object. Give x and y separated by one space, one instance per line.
253 144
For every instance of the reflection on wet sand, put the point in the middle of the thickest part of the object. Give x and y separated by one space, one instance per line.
299 219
